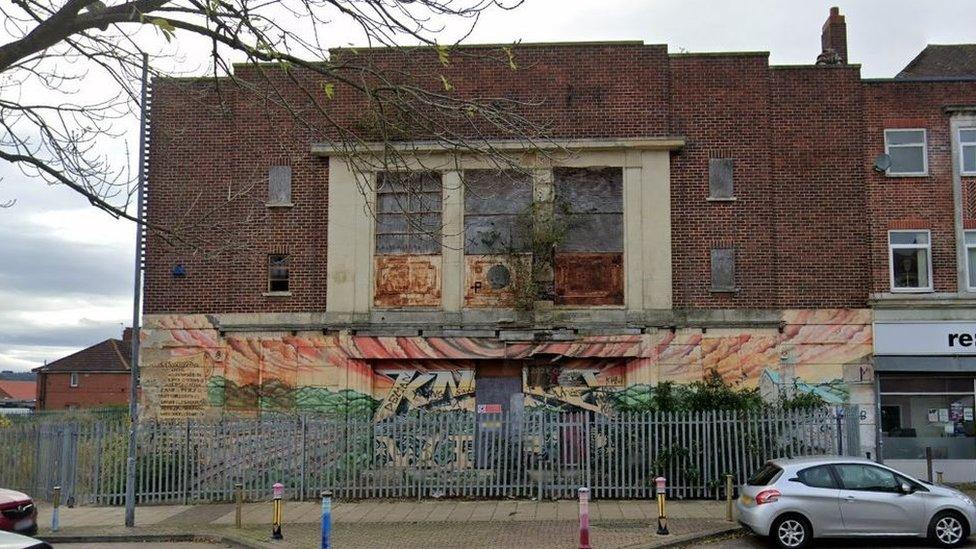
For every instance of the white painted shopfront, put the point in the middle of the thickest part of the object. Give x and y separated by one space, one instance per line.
926 383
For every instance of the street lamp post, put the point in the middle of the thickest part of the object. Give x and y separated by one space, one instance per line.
130 464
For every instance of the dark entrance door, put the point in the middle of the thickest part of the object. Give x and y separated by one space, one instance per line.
498 401
498 386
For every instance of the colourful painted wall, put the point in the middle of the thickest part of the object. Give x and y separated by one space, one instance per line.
190 369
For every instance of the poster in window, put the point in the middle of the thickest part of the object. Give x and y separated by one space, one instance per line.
933 415
943 415
955 411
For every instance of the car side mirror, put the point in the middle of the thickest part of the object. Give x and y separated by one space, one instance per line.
906 488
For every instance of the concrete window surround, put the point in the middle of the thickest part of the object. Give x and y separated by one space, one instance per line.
647 226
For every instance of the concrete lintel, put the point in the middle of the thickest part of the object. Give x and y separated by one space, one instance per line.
729 317
389 332
923 301
461 332
516 335
669 143
959 109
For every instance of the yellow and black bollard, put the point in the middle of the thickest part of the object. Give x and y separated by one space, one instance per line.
279 490
662 517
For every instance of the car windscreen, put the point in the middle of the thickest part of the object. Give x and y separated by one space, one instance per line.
765 476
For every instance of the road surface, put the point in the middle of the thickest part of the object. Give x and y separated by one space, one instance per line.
749 541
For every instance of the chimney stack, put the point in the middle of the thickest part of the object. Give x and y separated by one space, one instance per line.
833 40
127 335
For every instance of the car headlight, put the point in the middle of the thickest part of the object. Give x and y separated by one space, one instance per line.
966 499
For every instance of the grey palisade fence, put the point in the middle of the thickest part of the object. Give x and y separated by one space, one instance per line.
545 454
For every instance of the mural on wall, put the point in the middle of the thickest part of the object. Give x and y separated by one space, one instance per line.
404 386
577 384
340 373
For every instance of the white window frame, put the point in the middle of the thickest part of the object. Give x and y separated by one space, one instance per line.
925 152
962 148
891 265
73 379
969 276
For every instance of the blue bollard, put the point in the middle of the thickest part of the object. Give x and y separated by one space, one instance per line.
326 519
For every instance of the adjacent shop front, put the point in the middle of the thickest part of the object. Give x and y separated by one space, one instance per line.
926 383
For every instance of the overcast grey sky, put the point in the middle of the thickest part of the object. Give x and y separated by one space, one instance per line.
66 269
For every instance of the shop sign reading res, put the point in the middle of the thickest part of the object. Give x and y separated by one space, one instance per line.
925 338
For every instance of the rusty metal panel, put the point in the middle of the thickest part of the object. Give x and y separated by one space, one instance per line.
408 281
484 279
589 279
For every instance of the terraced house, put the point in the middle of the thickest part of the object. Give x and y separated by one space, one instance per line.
675 216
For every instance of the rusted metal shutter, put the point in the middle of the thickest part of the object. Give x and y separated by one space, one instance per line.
589 279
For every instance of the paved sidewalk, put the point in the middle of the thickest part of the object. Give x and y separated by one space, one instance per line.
402 524
369 512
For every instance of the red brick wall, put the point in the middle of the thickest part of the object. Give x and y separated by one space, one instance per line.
819 203
803 140
797 223
94 390
720 104
200 156
204 146
913 202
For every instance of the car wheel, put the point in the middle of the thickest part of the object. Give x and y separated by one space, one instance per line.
791 532
948 529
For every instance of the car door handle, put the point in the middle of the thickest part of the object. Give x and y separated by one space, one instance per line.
849 499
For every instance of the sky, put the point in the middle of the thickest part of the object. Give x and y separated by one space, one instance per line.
66 268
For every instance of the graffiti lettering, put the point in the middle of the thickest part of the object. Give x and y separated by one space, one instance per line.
433 390
426 451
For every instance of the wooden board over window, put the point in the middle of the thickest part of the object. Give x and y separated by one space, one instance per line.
589 260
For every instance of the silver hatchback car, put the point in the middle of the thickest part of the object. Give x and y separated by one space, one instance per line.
795 500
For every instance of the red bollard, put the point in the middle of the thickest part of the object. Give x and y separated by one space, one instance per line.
584 518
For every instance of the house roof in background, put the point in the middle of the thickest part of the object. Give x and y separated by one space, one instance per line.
942 61
111 355
17 390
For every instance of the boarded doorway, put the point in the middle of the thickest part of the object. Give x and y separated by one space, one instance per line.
499 400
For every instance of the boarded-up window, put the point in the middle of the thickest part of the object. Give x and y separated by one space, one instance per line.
589 208
279 186
497 219
408 213
720 177
723 269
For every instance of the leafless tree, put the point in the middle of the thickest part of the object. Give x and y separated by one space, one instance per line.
70 71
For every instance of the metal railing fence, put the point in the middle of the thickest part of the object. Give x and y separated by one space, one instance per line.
544 454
